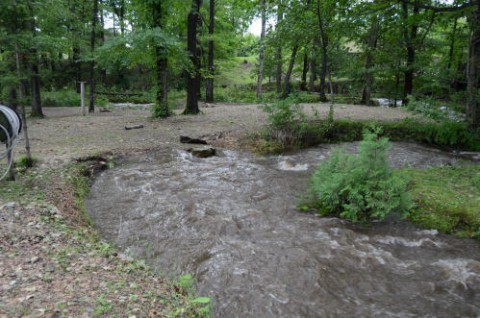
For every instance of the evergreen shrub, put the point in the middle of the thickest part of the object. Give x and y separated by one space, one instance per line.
360 187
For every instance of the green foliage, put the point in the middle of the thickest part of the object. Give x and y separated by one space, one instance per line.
103 306
25 162
186 281
289 124
69 98
432 108
445 133
447 199
64 97
161 111
235 72
284 114
359 187
235 94
195 306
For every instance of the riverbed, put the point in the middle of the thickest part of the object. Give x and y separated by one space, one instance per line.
232 222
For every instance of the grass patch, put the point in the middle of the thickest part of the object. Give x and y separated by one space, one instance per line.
25 189
237 71
447 199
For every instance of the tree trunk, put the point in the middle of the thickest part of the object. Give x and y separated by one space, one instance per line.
287 85
121 17
303 84
103 72
75 57
261 50
410 42
324 44
35 86
13 98
313 64
278 52
193 79
161 65
473 70
452 44
371 46
323 73
93 36
18 63
211 28
34 72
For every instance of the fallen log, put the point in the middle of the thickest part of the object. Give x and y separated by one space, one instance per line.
133 127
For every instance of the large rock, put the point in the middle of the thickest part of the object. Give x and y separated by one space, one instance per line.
188 140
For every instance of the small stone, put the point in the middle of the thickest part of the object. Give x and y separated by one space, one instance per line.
34 260
10 206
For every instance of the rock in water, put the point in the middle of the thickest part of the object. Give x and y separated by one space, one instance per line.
203 152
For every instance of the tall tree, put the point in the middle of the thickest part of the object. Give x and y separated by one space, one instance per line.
473 69
93 40
324 12
472 11
410 32
371 45
288 75
34 70
210 66
261 50
278 52
193 78
161 108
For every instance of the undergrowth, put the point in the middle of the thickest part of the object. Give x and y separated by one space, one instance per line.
69 98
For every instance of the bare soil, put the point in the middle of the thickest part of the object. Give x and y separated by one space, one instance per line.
50 266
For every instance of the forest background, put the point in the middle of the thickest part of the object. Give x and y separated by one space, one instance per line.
174 53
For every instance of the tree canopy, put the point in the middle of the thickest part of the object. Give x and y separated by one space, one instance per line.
355 49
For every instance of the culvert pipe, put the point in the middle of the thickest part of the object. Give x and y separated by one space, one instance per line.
10 128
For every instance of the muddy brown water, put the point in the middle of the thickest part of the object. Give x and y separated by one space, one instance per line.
232 222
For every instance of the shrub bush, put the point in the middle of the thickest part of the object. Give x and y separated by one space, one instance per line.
359 187
61 98
289 125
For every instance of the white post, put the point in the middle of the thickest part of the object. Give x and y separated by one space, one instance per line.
82 97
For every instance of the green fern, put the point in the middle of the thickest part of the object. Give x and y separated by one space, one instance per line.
359 187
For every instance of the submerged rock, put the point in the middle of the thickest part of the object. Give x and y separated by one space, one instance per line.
203 152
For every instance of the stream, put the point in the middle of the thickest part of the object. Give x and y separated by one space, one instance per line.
232 222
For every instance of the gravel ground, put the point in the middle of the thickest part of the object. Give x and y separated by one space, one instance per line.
65 134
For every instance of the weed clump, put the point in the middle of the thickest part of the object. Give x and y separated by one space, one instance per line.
359 187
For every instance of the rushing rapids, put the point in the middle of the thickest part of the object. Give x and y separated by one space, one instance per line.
231 220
